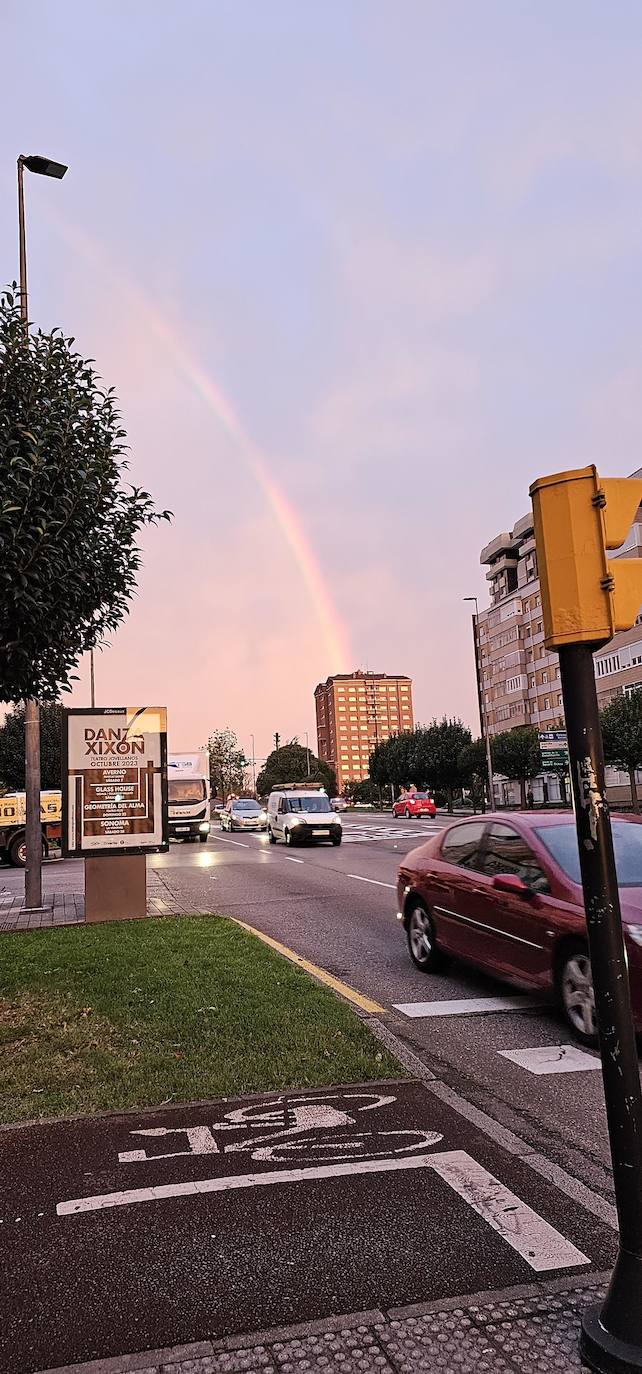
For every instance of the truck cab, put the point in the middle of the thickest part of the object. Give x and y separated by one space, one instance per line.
188 795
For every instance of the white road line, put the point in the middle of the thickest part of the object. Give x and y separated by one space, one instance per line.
238 843
375 881
467 1006
538 1243
553 1059
292 860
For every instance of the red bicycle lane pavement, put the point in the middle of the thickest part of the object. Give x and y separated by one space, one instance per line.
139 1230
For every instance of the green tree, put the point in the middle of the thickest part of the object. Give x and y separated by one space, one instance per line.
290 764
622 736
473 771
228 764
68 523
393 761
440 754
12 747
517 755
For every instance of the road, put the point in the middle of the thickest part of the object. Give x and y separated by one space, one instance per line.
143 1229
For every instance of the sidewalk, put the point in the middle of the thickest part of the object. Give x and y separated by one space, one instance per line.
527 1330
64 902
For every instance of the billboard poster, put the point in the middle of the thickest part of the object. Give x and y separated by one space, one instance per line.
115 780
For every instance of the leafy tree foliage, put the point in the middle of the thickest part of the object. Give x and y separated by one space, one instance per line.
516 754
228 764
473 771
290 764
622 736
443 744
68 524
428 756
12 747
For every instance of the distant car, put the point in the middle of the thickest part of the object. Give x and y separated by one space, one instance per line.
244 813
216 806
414 804
339 804
505 895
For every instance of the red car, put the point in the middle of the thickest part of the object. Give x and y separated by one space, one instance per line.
504 893
414 804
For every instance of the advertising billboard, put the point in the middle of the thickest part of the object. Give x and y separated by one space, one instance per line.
115 780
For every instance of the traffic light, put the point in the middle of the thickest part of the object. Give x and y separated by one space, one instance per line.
586 596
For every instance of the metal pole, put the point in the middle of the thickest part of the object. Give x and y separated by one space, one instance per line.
611 1335
253 764
307 750
483 721
92 685
33 827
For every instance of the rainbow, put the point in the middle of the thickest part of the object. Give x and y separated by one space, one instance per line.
331 626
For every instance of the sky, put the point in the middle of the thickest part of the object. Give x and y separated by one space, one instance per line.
359 271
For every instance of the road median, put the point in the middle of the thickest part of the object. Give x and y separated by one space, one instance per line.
97 1018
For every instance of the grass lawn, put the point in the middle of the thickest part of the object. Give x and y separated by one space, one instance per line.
139 1013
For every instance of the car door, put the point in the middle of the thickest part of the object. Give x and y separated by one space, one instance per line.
456 884
522 923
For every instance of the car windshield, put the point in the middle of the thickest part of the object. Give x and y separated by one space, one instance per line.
308 804
183 791
561 842
246 805
421 796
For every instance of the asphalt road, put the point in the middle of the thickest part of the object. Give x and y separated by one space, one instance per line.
121 1249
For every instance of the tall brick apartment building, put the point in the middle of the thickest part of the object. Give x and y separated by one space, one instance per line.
356 711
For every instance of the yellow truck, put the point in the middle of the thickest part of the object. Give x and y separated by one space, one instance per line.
13 817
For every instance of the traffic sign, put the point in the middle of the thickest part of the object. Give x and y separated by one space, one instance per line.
554 748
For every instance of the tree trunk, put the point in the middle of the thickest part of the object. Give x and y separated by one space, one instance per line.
522 789
449 792
635 805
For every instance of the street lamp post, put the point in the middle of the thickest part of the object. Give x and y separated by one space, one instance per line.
482 709
307 751
42 166
253 764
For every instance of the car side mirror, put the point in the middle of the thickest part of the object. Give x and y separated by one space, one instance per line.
513 884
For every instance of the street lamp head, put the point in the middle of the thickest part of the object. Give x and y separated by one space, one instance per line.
469 598
43 166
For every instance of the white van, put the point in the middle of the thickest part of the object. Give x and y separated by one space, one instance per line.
188 795
298 814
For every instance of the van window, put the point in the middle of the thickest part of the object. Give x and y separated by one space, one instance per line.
282 805
308 803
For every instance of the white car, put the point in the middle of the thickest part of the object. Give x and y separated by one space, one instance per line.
339 804
300 815
244 813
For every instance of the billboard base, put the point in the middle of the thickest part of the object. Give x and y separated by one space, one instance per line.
115 887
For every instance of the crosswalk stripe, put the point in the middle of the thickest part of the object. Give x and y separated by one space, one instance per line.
467 1006
547 1059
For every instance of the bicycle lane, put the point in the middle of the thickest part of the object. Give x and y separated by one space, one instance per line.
135 1231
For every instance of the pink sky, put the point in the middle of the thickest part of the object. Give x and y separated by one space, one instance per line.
358 274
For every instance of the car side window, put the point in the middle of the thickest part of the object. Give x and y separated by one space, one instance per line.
282 805
508 852
461 845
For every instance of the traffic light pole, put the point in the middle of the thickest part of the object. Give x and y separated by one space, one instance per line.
611 1340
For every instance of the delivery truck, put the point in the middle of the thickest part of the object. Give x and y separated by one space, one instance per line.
13 819
188 795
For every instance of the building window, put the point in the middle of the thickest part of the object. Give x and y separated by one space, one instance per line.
547 703
559 699
544 676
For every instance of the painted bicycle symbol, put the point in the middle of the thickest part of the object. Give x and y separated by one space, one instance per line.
323 1130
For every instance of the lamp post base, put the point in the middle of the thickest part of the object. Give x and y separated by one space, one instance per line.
611 1339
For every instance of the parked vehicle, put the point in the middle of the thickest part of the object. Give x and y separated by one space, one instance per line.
298 814
244 813
13 819
506 896
414 804
188 789
339 804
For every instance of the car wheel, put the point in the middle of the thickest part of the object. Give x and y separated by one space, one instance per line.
336 839
407 814
271 835
420 934
575 989
288 837
203 839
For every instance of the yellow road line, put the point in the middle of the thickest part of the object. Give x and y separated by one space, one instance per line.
313 969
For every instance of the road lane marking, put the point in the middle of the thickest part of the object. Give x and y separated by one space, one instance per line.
375 881
351 995
292 860
239 843
467 1006
549 1059
523 1229
539 1244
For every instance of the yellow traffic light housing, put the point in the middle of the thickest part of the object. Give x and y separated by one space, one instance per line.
578 516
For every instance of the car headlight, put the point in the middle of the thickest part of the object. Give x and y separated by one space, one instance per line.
299 820
635 933
204 827
263 816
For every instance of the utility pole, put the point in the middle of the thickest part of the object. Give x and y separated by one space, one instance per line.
33 871
253 765
585 601
92 684
483 722
307 751
277 740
